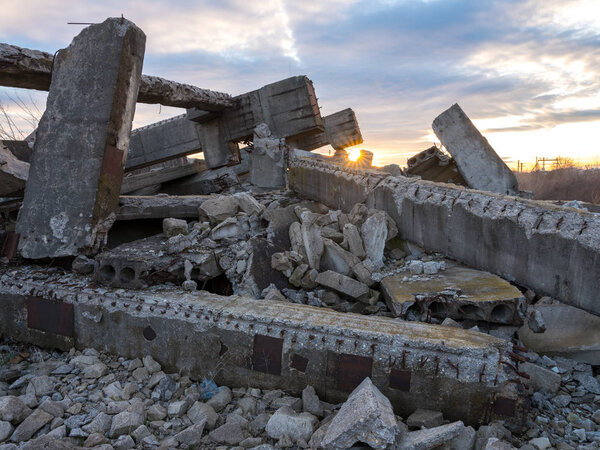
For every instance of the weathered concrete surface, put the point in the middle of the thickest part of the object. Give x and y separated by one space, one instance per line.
168 139
457 292
268 159
570 332
82 139
477 161
550 249
32 69
160 174
289 108
133 207
433 165
148 261
341 131
269 344
20 149
13 174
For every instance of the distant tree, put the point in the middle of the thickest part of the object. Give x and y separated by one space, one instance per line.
562 162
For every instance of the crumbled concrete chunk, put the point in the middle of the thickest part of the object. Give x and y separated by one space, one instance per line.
429 438
425 418
173 227
295 425
343 284
219 208
374 233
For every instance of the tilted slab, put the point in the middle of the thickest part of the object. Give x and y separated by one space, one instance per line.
478 295
269 345
135 207
551 249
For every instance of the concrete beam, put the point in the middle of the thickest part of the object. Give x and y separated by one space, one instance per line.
341 131
289 108
160 174
269 345
134 207
77 168
433 165
32 69
477 161
551 249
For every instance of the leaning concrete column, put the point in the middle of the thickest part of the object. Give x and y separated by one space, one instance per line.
477 162
82 139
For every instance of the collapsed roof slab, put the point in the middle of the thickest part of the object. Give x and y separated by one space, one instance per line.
32 69
551 249
477 161
77 167
269 345
457 292
289 107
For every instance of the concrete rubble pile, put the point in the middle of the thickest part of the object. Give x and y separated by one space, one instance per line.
266 296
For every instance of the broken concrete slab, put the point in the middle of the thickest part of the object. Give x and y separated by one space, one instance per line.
272 345
341 131
570 332
367 416
13 174
32 69
374 232
457 292
207 182
76 173
433 165
515 238
135 207
343 284
541 379
160 173
429 438
477 161
147 262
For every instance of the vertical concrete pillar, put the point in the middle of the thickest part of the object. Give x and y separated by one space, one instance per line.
477 162
77 167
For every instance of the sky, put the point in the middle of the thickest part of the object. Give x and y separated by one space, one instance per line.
526 72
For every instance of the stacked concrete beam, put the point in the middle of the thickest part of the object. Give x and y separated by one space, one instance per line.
32 69
269 345
551 249
289 108
82 139
478 163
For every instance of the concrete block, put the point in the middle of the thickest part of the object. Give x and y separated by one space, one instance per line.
429 438
433 165
82 139
541 379
13 174
367 416
477 162
570 332
343 284
457 292
341 131
268 159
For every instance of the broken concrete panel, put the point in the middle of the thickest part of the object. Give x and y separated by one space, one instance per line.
32 69
133 207
367 416
374 232
409 362
543 247
312 242
433 165
457 292
147 262
353 240
570 332
75 177
341 131
268 159
13 174
160 174
431 438
477 161
343 284
336 258
207 182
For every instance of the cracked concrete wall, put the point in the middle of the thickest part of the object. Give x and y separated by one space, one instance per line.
551 249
